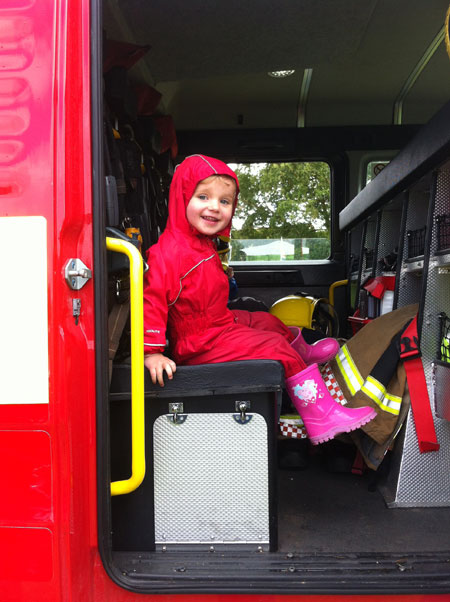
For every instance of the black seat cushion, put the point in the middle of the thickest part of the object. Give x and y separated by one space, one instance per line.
206 379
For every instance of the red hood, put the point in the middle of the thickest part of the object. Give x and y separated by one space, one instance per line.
187 175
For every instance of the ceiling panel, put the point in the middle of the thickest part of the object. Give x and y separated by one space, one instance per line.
210 58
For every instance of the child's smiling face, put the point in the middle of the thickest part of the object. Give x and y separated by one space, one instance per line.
211 207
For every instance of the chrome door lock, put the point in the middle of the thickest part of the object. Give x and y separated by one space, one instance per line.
76 274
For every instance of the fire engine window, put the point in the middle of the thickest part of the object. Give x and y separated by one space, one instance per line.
283 212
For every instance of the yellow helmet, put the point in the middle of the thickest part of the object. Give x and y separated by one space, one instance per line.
295 310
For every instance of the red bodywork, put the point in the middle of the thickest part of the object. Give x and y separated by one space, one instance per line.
48 506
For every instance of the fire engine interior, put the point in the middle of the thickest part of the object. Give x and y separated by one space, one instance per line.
370 82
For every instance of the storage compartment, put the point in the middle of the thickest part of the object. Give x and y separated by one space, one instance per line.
210 456
211 476
416 243
443 233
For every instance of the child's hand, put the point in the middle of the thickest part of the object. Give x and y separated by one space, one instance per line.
156 363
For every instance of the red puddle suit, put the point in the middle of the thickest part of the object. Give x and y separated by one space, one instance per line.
186 291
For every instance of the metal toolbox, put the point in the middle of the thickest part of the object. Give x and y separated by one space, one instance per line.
210 455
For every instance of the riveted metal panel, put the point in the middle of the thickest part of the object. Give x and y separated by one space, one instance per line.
211 480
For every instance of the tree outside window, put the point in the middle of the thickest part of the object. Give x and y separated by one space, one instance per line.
283 212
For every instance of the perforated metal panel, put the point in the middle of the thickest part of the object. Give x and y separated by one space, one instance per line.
389 231
424 479
211 480
410 286
369 244
355 245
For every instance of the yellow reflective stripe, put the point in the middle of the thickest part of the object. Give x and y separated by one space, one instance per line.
377 392
373 389
393 398
394 402
353 367
344 374
349 371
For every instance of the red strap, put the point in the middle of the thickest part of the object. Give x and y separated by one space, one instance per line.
420 402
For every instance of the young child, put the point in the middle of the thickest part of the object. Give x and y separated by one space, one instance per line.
186 292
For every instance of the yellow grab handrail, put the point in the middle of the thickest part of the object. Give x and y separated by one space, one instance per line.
331 290
137 367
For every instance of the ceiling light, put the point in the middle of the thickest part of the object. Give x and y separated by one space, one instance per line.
278 74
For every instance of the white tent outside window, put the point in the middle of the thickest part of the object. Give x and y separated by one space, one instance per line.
275 247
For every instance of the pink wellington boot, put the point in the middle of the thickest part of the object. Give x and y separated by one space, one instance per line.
323 417
317 353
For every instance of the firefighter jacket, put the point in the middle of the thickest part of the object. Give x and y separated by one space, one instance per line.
368 371
186 291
